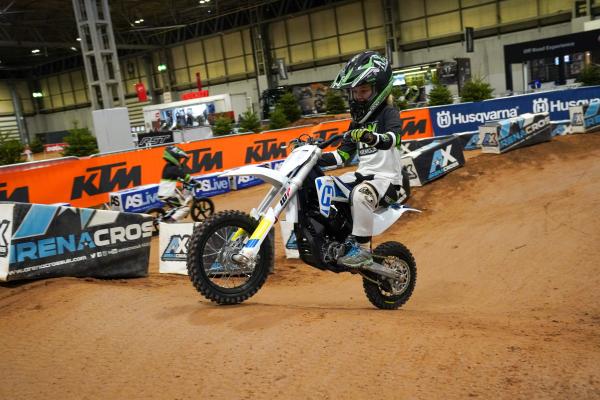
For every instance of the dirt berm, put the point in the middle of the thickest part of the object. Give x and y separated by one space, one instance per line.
507 305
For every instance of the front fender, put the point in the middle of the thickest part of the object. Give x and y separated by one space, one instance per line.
269 175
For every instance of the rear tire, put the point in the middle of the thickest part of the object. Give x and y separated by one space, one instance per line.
396 256
199 264
202 208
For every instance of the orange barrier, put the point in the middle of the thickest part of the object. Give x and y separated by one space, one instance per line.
86 182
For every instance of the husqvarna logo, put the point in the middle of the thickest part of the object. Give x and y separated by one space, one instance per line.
540 105
443 119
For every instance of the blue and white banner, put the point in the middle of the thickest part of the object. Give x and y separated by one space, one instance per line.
211 185
455 118
138 199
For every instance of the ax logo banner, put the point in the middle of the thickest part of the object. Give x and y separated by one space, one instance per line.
4 224
177 248
416 124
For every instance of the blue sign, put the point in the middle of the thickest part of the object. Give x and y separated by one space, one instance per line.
136 200
242 182
455 118
211 185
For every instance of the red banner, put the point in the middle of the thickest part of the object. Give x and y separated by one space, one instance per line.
140 89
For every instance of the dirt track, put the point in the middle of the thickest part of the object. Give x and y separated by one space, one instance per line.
507 305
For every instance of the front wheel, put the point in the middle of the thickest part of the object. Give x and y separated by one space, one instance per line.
209 263
391 294
202 208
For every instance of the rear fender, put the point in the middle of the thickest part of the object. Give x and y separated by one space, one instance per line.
383 219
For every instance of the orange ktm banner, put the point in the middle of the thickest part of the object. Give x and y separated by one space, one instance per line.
416 124
86 182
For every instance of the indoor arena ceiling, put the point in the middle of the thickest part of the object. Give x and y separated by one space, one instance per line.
38 32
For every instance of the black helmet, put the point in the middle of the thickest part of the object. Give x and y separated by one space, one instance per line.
367 67
174 154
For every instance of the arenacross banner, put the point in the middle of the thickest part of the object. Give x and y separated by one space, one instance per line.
44 241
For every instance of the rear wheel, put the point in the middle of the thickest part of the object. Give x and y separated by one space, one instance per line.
202 208
209 263
391 294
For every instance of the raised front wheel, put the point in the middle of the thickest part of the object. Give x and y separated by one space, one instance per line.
211 267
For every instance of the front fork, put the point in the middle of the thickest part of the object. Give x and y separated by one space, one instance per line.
252 246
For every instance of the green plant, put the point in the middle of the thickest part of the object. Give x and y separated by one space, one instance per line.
399 101
278 119
440 95
223 126
289 106
476 89
590 75
250 122
10 150
334 102
80 143
36 145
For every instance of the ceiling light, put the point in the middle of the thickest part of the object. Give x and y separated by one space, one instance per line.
35 51
141 19
78 39
37 94
137 21
73 48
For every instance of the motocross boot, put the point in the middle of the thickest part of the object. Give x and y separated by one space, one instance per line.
356 256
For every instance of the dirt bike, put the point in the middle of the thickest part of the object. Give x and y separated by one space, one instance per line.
199 207
229 258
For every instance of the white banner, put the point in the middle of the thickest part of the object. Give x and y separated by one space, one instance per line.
173 245
288 238
6 216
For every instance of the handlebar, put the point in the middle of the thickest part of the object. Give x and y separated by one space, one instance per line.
329 141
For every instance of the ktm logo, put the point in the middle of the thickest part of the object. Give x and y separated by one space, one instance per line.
412 126
106 178
204 160
265 150
20 194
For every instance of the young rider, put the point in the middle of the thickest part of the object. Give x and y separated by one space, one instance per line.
375 133
172 174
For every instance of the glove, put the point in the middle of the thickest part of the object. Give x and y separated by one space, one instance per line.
357 134
361 135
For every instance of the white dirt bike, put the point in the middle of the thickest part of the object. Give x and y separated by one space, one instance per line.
230 254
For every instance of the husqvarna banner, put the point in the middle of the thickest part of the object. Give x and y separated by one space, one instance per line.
466 117
44 241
